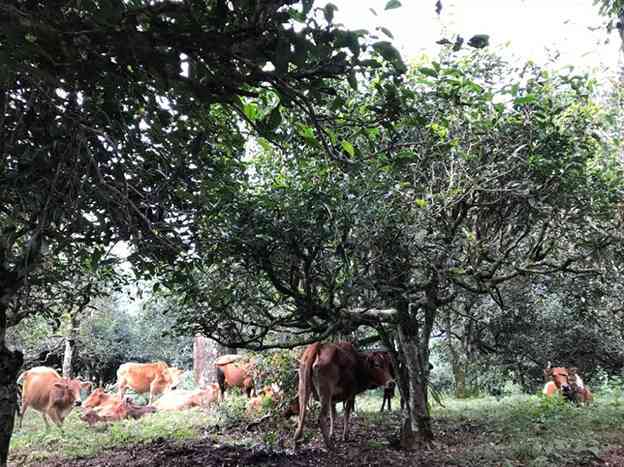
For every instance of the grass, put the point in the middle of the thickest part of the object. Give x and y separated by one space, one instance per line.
34 443
519 430
534 430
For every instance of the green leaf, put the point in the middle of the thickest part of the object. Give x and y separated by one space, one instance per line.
250 109
392 4
328 11
421 203
388 52
428 71
479 41
387 32
274 119
352 79
348 147
307 6
528 99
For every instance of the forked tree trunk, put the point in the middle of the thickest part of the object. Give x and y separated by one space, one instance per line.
10 364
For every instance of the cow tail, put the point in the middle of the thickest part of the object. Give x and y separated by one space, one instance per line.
18 384
221 381
305 384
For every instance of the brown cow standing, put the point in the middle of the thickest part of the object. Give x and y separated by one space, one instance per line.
44 390
567 382
335 373
233 373
155 378
182 400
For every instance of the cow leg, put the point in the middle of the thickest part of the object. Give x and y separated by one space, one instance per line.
21 412
332 420
221 382
348 408
45 419
56 418
390 403
121 388
326 408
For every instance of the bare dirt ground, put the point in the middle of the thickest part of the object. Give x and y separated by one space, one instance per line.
370 445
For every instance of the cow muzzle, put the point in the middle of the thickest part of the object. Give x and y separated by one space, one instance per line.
390 385
77 403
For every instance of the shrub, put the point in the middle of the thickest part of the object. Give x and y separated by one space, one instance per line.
278 367
232 410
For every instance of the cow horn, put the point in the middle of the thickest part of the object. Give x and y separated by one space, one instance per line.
548 366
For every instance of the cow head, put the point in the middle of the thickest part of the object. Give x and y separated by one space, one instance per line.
560 376
381 372
95 399
68 391
175 375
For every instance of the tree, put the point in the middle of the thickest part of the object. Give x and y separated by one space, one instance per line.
116 114
475 174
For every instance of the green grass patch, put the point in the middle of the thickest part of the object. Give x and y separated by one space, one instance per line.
519 430
36 443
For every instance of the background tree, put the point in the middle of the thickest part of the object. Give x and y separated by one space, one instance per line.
115 114
473 175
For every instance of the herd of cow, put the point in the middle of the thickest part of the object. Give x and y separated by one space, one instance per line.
330 372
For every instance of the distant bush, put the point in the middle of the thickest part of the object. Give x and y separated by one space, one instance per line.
605 384
278 367
232 410
187 381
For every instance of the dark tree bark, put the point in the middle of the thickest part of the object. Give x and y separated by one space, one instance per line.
10 365
413 342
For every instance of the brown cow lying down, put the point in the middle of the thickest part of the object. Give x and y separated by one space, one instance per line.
119 410
233 372
567 382
182 400
100 401
45 391
155 378
335 373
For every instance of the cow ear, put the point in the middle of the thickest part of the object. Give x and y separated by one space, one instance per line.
60 384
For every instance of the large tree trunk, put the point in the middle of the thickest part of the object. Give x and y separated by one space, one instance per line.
459 369
413 380
205 352
459 374
10 364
